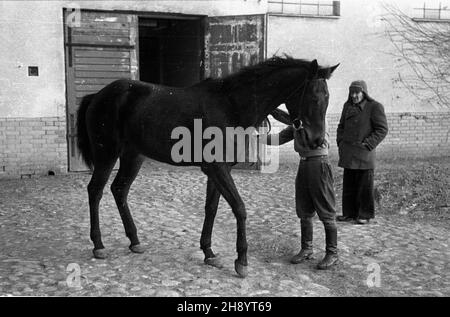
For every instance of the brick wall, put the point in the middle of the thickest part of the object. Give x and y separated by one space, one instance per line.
38 145
32 146
411 135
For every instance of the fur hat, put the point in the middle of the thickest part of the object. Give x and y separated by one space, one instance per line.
362 86
359 84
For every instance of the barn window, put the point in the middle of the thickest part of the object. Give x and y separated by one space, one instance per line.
33 71
308 8
432 13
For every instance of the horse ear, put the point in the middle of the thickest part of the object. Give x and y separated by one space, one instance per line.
313 71
332 69
327 72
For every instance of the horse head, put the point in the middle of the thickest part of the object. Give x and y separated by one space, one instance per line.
307 104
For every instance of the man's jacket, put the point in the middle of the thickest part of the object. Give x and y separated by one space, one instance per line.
361 128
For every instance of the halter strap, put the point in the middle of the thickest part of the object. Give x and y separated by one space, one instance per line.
305 85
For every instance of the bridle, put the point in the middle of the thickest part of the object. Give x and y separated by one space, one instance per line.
297 124
304 86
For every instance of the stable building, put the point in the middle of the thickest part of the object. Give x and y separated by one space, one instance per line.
55 52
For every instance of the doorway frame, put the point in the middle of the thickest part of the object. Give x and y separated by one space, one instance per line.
138 14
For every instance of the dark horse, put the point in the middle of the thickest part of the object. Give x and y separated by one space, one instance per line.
131 120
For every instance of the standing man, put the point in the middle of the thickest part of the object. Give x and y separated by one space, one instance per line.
314 193
362 127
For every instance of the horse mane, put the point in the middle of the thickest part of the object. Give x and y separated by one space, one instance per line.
249 74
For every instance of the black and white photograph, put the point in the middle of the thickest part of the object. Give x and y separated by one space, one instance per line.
224 154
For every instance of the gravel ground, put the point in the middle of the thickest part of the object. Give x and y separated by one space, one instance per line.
46 251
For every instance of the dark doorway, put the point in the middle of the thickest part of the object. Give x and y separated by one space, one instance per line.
171 51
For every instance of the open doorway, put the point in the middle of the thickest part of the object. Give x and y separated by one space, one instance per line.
171 51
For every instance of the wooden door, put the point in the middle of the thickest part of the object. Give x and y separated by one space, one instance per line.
233 42
99 49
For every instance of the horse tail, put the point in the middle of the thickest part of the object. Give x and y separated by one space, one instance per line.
82 133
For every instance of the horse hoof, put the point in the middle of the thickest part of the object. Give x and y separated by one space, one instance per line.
100 254
137 248
241 270
215 261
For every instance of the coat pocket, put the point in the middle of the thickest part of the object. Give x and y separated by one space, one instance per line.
362 153
361 146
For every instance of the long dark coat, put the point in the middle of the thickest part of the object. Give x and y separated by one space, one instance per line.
361 128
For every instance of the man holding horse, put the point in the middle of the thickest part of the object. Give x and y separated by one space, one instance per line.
314 192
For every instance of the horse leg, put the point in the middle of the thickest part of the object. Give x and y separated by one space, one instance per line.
95 191
130 164
220 173
212 202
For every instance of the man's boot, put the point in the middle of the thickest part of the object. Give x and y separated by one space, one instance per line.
306 252
331 256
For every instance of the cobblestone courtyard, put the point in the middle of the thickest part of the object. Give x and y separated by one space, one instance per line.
44 234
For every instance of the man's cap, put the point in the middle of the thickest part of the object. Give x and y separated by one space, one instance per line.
359 85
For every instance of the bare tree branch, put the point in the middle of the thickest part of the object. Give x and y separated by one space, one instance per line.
425 48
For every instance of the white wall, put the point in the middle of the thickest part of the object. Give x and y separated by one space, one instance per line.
358 42
32 35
